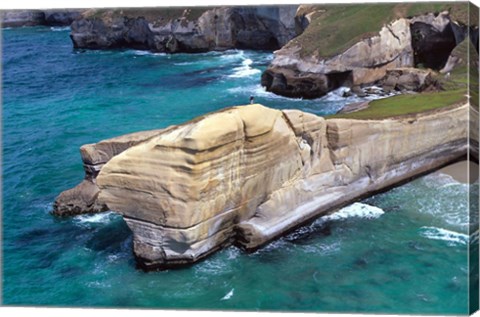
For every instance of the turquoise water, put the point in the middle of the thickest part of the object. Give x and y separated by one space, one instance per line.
404 251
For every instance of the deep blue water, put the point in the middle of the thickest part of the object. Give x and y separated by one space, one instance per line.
404 251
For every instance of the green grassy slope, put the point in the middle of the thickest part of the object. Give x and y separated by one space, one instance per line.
158 15
407 104
336 27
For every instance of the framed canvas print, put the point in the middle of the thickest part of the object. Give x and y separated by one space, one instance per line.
318 157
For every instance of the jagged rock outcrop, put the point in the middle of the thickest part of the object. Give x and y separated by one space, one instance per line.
16 18
246 175
208 29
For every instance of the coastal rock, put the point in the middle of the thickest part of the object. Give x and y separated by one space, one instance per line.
408 79
22 18
17 18
365 62
79 200
208 29
246 175
425 40
61 17
83 197
432 33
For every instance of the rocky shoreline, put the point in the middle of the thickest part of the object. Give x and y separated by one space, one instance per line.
402 56
19 18
249 174
388 59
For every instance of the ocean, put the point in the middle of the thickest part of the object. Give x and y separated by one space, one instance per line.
403 251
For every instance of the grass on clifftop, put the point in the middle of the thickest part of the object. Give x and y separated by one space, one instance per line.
159 15
335 28
406 104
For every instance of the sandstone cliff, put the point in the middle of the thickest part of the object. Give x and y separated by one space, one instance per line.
186 30
247 175
359 50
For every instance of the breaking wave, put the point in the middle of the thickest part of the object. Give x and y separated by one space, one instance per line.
355 210
245 70
451 237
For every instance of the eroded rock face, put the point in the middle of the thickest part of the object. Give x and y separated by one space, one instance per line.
22 18
425 40
83 197
247 175
16 18
215 29
434 38
364 62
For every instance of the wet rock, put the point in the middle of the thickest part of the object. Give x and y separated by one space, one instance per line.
78 200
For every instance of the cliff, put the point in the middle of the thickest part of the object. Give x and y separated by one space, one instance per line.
186 30
354 45
249 174
17 18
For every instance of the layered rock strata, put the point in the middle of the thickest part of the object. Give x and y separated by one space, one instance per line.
83 197
208 29
246 175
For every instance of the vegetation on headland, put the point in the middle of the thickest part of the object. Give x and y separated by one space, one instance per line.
461 81
335 27
158 15
407 104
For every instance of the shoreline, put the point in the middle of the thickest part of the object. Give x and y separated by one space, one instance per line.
459 171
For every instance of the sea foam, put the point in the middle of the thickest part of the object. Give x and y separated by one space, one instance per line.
451 237
228 295
60 28
355 210
100 218
245 70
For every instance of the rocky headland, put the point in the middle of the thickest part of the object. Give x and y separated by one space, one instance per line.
186 30
249 174
334 50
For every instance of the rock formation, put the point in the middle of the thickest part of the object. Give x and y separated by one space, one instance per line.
200 30
18 18
246 175
425 40
293 75
83 197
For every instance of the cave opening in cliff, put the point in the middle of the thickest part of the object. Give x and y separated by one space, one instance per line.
340 79
432 47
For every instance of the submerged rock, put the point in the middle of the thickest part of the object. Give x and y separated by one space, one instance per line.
247 175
